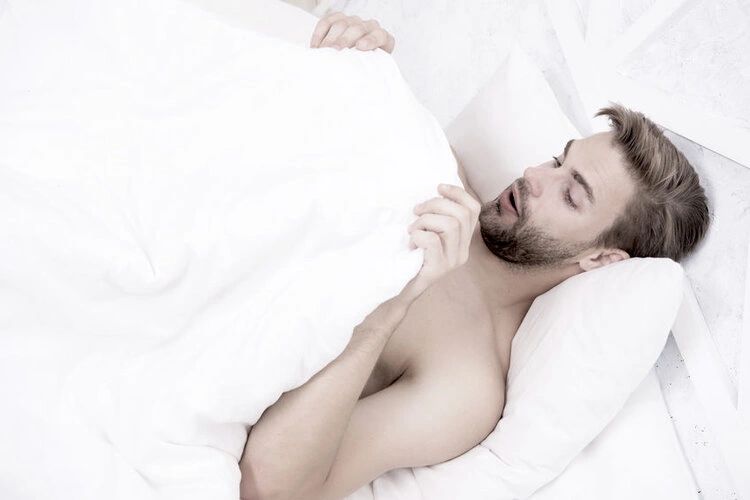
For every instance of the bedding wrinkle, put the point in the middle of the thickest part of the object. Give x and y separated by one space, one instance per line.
199 216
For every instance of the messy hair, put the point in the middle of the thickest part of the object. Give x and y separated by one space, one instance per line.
668 215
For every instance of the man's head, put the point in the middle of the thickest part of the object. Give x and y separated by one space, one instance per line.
624 193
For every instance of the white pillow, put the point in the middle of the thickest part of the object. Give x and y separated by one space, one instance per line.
582 349
636 456
514 122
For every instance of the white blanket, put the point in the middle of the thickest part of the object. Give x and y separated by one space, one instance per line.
194 217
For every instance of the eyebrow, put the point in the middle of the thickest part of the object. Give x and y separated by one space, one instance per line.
567 147
578 177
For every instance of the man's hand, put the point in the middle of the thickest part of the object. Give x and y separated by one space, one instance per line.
444 230
337 30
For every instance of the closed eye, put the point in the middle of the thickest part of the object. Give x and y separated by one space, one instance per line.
568 199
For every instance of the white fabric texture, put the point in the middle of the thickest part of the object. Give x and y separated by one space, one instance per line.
195 218
636 456
514 122
581 351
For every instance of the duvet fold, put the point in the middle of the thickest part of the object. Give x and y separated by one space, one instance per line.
195 216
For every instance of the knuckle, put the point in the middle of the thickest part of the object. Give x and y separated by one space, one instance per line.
322 25
381 35
334 15
352 34
340 24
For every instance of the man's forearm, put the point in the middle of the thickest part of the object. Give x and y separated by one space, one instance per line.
293 445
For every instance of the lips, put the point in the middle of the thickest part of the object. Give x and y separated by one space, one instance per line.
506 204
516 199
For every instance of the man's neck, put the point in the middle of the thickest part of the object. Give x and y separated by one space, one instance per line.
508 286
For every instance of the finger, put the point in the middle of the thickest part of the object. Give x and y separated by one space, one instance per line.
368 43
353 33
334 32
444 206
322 28
371 25
430 242
449 231
390 44
460 195
373 40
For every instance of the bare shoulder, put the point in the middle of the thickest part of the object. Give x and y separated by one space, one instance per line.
466 367
453 344
476 391
424 418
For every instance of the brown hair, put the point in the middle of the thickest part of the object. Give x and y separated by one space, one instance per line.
668 215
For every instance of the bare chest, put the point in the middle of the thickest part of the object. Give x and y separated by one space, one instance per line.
442 329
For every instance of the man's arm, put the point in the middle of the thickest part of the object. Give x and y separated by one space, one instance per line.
421 419
293 445
291 449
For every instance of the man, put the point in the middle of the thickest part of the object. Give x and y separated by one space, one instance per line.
423 377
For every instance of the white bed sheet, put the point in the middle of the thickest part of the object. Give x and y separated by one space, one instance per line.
170 264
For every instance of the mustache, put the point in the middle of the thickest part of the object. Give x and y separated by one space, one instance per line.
520 200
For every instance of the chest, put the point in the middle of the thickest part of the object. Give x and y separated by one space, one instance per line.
444 324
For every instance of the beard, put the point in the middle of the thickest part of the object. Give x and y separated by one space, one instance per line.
522 244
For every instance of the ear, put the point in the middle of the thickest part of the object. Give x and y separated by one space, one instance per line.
601 257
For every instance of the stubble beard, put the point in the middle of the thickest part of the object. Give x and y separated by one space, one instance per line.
521 244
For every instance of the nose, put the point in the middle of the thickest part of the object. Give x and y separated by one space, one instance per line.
532 177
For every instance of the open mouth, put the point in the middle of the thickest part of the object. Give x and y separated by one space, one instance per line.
507 202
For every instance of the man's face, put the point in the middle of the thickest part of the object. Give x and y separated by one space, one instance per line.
560 209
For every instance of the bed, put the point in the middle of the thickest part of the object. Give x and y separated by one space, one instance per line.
147 404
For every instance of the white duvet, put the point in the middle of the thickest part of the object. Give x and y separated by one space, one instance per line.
193 219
